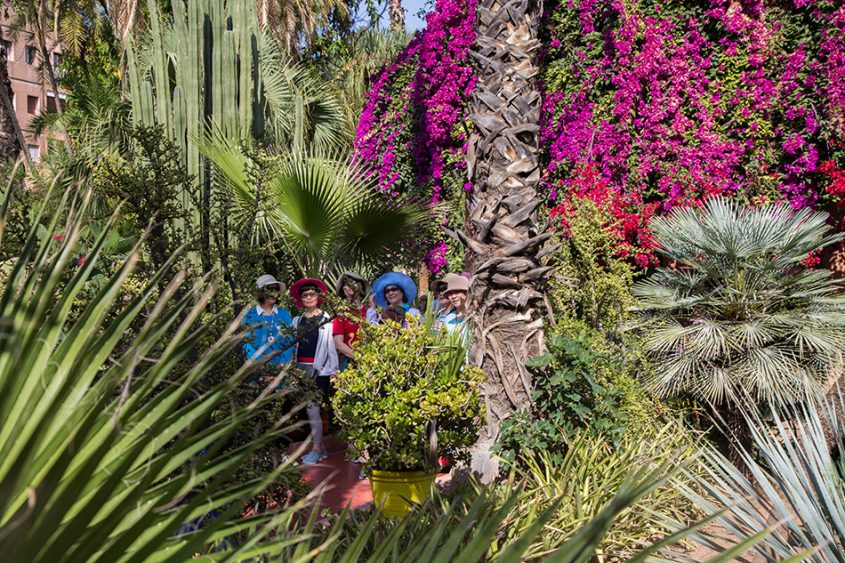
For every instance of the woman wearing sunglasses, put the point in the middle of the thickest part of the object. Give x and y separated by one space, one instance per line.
393 293
315 354
270 325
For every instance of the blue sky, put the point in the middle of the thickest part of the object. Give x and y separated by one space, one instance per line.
412 22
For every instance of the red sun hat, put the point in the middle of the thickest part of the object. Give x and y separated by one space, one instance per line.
299 284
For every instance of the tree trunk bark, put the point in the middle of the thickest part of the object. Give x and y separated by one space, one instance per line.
504 237
739 438
397 14
41 38
12 141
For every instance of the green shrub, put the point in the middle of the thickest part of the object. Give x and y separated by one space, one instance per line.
567 398
409 397
585 479
534 513
589 377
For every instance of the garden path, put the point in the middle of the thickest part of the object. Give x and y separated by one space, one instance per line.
338 476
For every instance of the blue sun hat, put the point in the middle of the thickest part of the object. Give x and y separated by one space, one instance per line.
409 288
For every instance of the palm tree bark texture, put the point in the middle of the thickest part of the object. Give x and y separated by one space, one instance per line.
397 15
504 238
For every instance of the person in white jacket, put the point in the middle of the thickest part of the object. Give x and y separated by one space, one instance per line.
315 354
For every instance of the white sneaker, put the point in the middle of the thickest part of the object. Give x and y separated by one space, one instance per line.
313 457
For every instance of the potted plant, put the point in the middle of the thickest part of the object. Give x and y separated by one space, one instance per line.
408 399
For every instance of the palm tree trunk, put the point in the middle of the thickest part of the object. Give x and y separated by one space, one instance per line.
40 33
397 15
739 438
12 141
505 239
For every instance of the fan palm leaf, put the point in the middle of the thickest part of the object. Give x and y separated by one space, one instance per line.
326 212
290 88
740 307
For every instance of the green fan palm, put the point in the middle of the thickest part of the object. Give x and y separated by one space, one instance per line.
737 311
297 97
96 118
327 213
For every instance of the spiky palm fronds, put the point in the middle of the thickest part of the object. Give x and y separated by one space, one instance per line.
737 311
104 450
97 118
295 92
793 483
295 22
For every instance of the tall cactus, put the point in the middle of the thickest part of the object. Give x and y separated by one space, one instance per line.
196 70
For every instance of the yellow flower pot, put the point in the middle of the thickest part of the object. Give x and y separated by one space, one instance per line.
397 491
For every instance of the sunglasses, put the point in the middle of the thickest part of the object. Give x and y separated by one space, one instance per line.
391 289
308 294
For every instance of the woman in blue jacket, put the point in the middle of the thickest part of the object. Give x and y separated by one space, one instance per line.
270 325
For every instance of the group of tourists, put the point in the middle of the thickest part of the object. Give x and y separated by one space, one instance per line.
320 344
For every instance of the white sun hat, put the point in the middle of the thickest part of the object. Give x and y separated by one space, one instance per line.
266 280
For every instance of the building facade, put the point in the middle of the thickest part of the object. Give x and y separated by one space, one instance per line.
31 90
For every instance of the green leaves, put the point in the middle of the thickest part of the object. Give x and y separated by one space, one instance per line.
409 393
102 455
567 398
326 212
740 312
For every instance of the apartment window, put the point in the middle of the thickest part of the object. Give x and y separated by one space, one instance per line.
32 105
56 60
34 152
30 54
7 46
51 100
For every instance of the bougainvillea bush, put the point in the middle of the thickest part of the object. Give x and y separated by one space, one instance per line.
648 105
651 104
412 131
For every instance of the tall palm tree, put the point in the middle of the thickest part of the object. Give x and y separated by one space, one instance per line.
737 313
42 18
505 237
11 136
292 21
397 15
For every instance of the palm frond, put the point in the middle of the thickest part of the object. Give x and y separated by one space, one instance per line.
740 303
102 457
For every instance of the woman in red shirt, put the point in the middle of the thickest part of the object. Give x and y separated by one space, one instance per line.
351 288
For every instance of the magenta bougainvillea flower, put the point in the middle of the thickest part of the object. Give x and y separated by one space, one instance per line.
672 102
648 105
410 127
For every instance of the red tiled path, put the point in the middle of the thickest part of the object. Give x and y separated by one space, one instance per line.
338 476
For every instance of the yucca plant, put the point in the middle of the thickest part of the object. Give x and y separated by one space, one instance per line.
792 484
736 311
104 451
